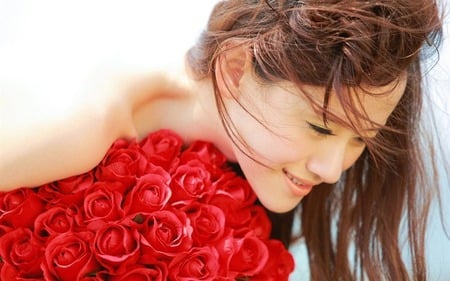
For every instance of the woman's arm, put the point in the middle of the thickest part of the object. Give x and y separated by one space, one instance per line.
46 137
52 124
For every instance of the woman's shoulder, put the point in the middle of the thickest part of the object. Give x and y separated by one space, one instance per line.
157 96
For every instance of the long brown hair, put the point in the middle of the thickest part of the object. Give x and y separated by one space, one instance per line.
337 45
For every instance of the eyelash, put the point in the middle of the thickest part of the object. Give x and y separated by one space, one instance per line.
360 140
320 130
327 132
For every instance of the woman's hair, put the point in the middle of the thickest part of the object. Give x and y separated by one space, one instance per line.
352 229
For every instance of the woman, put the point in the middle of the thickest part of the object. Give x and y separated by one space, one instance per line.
317 101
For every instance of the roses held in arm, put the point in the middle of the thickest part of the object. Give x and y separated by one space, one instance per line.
151 210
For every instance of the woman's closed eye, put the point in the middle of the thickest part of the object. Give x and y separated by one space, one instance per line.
320 130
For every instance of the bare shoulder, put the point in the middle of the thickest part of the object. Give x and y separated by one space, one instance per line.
157 98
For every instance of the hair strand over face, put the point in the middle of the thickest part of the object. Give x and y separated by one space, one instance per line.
341 45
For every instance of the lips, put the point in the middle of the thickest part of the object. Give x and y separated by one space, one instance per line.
298 186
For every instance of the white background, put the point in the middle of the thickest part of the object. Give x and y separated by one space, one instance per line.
47 45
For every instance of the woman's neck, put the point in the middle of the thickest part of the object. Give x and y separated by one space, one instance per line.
206 119
186 106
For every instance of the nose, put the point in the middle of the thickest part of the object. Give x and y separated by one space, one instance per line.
327 163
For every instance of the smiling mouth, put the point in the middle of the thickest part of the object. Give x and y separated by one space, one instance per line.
296 181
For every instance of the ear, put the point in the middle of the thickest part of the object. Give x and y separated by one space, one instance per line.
231 66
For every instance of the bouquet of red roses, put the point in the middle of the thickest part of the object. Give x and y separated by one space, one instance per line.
150 210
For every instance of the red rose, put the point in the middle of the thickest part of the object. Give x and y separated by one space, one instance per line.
4 229
208 223
149 272
21 253
68 257
67 191
236 190
280 264
54 221
162 148
233 196
209 155
20 207
148 211
151 193
116 246
166 232
92 278
259 222
249 256
191 181
101 205
123 162
197 264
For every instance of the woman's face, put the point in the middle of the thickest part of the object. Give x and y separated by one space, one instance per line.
295 150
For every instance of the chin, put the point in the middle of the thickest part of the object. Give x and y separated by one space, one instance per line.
280 208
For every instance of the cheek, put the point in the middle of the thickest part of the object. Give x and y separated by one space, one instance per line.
272 149
268 135
351 157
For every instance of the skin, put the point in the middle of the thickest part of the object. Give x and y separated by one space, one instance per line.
287 146
285 135
301 146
